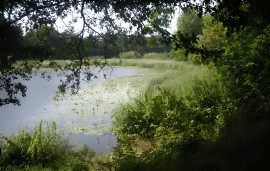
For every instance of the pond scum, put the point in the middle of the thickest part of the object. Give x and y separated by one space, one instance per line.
175 122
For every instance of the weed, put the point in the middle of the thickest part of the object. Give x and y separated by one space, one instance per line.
41 146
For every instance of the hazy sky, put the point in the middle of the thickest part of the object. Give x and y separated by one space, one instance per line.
62 25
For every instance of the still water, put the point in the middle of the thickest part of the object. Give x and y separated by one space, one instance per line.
85 117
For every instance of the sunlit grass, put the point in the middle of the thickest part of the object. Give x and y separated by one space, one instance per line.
148 63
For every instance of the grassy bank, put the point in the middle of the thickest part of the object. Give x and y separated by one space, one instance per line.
44 148
157 74
179 118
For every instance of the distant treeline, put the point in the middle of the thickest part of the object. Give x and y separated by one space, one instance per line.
49 42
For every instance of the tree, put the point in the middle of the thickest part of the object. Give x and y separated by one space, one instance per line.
190 25
240 54
32 14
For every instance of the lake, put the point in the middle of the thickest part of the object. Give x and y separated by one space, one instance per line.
84 117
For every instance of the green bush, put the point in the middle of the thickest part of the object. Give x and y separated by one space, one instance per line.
85 150
147 113
195 59
130 55
208 108
179 54
199 111
41 146
154 55
176 123
96 57
244 146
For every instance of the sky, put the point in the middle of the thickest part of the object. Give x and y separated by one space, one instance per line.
62 25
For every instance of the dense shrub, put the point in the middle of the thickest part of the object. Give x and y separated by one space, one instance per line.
154 55
244 146
195 59
199 111
175 123
179 54
130 55
41 146
146 114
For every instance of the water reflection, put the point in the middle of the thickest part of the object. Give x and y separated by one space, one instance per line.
100 143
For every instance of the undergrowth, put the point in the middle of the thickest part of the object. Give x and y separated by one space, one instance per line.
186 120
42 148
175 114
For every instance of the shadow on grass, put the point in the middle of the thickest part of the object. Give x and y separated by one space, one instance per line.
245 146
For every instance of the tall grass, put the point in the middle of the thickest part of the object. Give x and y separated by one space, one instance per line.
182 108
149 63
42 148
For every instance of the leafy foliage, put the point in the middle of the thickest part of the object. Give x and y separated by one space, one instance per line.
189 22
130 55
161 109
189 25
157 56
179 54
42 146
242 62
43 149
174 124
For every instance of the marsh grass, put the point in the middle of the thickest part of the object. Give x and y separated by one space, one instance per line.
148 63
44 147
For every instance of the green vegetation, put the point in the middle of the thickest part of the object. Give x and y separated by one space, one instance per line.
176 113
157 56
40 149
212 116
180 118
163 74
189 24
215 122
148 63
130 55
